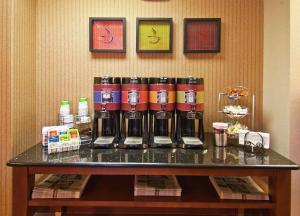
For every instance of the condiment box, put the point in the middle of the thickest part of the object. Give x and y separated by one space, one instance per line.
46 129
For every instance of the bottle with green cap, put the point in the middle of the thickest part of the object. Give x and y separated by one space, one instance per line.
83 109
83 121
64 108
65 118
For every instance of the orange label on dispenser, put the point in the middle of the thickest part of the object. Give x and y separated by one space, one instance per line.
162 100
162 97
155 99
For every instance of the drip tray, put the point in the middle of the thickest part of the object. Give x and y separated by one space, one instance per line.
133 141
192 141
104 140
162 140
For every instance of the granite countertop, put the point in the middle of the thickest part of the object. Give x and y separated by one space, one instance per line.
213 157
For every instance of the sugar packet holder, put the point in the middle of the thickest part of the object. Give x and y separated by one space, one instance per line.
63 140
47 128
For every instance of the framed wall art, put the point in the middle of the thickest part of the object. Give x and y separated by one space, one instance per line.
202 35
154 35
107 34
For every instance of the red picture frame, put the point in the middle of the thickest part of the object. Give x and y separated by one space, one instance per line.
202 35
107 34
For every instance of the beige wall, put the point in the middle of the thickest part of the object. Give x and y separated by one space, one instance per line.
295 100
17 87
281 103
65 67
276 73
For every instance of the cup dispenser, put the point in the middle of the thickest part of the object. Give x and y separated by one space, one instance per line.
189 111
162 112
134 106
106 122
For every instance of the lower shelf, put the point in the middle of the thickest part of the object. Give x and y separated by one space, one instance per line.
117 192
93 211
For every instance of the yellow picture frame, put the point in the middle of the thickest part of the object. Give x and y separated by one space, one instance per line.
154 35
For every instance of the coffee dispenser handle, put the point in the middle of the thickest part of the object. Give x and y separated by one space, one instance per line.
145 127
95 127
201 127
117 123
151 125
123 125
173 127
178 126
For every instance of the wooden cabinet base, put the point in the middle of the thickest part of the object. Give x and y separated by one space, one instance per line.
112 194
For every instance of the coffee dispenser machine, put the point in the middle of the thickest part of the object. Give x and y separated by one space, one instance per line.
190 107
162 112
134 129
106 124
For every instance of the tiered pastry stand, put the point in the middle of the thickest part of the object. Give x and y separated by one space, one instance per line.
226 99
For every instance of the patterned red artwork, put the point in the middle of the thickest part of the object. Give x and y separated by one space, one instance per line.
202 35
108 35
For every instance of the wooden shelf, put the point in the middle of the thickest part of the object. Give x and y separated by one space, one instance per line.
117 192
93 211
